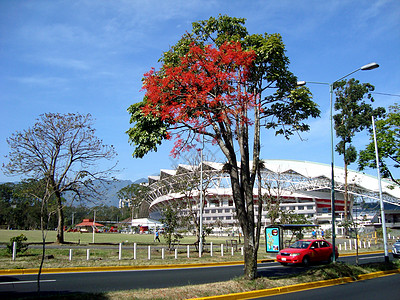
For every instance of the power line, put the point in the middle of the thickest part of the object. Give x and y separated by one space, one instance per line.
386 94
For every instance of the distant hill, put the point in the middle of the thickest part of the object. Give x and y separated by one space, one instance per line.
141 180
110 194
111 190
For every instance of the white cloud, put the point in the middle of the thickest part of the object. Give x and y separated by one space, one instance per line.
41 81
67 63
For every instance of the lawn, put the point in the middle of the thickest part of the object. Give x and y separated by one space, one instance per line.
105 251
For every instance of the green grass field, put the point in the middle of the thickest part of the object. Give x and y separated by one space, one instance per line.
108 255
105 251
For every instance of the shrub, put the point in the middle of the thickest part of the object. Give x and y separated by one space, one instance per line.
21 247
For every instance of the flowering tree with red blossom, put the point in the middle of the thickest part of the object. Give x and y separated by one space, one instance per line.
211 84
214 80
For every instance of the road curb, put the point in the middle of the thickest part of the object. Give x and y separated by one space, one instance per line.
301 286
120 268
361 253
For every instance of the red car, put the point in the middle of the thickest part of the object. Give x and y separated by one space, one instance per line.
306 251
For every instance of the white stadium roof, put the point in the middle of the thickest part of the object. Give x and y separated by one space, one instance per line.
318 170
296 176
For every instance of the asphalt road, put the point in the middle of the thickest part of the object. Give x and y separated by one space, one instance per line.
25 285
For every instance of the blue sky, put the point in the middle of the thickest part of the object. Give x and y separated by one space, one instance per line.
89 57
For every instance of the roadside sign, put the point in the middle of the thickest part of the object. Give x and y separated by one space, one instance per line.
273 239
274 235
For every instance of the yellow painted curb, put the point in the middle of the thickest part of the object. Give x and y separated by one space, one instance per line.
123 268
301 286
360 253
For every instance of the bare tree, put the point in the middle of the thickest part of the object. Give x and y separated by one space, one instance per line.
61 149
38 190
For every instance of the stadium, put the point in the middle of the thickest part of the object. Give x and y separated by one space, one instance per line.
302 187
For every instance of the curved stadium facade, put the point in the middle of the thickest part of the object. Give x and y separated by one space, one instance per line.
302 187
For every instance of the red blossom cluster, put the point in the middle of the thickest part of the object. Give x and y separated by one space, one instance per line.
209 86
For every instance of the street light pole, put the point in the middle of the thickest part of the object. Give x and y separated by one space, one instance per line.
201 202
380 195
94 223
333 209
367 67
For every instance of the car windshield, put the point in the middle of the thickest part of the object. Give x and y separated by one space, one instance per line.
300 244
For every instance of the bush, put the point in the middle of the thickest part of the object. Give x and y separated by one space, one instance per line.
21 247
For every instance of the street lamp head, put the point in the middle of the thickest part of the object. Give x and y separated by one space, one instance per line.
301 83
369 66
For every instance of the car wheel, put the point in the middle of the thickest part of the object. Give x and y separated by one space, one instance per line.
306 261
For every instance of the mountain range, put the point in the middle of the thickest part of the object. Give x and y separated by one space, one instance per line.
110 191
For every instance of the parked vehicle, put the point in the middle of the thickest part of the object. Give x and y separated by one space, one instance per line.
306 252
396 249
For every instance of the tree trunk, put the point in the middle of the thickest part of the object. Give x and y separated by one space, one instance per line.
60 223
246 221
242 183
43 246
250 257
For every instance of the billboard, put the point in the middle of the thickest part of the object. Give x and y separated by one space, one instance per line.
273 239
